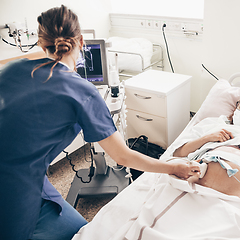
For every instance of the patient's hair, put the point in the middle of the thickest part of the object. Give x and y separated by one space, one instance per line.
59 32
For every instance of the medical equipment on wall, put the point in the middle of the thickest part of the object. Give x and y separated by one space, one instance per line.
17 31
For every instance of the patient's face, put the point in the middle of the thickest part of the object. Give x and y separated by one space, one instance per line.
238 104
236 115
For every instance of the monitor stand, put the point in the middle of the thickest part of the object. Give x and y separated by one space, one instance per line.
107 181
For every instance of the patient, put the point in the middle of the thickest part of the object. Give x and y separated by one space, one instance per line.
216 176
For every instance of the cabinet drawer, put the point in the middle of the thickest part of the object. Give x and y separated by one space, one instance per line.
153 127
146 102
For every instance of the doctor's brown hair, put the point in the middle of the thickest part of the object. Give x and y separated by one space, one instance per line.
59 32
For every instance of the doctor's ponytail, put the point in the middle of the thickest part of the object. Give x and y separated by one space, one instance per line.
59 32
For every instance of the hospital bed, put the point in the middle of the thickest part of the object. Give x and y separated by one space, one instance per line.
134 55
159 206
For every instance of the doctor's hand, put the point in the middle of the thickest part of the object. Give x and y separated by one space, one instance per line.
185 170
220 136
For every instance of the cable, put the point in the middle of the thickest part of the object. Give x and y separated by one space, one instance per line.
84 147
209 72
192 114
236 179
15 45
164 25
91 169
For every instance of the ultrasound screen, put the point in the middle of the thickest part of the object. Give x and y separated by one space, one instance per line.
89 63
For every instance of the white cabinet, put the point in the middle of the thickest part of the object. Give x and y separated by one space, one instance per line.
158 105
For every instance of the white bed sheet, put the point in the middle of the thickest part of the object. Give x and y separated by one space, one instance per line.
158 206
199 213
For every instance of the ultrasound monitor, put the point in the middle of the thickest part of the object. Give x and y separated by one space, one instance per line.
92 63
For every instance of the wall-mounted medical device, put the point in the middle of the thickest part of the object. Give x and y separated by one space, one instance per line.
17 31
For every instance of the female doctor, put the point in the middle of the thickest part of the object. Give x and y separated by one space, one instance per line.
44 104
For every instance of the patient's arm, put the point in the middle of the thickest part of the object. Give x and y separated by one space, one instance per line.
189 147
118 150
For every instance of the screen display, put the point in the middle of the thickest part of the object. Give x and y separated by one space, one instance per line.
89 63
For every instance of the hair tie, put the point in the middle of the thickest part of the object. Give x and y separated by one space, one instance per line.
62 46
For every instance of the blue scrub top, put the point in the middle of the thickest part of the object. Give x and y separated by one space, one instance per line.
38 119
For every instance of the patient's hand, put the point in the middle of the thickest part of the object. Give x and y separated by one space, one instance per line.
220 136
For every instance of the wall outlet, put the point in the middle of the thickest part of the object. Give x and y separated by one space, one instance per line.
143 23
157 24
149 24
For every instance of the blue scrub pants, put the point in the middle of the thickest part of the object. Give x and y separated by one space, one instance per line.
52 226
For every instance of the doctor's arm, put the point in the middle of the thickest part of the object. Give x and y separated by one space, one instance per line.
189 147
117 149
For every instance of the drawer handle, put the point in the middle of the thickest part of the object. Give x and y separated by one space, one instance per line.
140 96
144 119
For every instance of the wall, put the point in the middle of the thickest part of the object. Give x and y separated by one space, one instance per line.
170 8
92 14
221 39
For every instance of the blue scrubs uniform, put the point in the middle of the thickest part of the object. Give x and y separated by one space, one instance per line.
38 119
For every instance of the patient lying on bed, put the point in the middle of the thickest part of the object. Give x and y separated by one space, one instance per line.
220 149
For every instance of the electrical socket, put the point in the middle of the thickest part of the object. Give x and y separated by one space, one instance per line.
142 23
157 24
149 24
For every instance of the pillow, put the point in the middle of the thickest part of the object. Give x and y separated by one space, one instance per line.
221 100
129 51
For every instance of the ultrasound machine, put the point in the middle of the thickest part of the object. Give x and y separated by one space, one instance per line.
101 180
